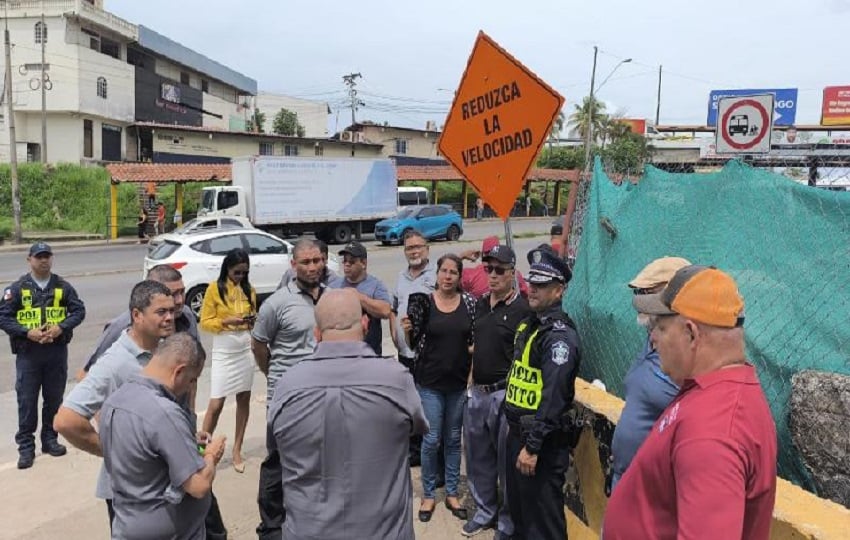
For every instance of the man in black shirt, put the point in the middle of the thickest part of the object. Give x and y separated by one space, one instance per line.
497 315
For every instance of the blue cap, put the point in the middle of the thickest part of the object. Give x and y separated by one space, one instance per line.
40 247
547 266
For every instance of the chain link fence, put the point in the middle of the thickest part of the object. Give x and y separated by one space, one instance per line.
784 242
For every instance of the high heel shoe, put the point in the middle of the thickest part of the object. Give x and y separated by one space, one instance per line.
425 515
459 512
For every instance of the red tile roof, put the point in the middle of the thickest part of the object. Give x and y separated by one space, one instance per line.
168 172
445 172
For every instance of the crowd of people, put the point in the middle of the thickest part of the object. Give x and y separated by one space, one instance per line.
486 363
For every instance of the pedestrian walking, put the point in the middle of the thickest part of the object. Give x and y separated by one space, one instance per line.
152 312
540 391
440 328
497 316
160 218
345 414
714 446
648 389
142 225
162 474
479 209
228 312
282 337
374 298
39 312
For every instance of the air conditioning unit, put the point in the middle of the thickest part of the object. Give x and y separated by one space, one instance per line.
347 136
360 137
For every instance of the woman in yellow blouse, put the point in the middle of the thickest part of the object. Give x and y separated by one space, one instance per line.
228 312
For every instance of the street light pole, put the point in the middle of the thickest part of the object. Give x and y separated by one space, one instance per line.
588 133
658 100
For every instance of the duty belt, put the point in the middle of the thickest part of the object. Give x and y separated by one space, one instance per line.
490 388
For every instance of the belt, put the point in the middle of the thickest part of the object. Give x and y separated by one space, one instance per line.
490 388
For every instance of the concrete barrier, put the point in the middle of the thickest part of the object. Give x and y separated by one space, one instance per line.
798 514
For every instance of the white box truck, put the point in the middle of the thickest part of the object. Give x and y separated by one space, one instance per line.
334 198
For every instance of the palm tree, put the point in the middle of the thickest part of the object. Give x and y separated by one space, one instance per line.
614 128
557 126
580 119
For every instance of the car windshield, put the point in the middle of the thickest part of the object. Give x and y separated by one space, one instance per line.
406 213
192 223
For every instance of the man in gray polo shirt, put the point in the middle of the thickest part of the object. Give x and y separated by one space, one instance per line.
152 309
374 298
341 420
283 336
420 276
161 478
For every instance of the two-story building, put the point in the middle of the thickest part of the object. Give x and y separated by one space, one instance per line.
397 141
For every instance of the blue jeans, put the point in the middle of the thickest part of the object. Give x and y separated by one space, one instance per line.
444 411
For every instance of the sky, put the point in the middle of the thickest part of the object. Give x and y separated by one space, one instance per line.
411 55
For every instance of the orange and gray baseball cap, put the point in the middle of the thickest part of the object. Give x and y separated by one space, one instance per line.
700 293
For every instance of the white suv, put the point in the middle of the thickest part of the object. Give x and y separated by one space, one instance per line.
202 223
198 255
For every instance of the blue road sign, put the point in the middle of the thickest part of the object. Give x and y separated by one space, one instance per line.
784 111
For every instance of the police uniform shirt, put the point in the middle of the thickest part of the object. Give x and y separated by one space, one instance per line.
495 328
150 451
26 306
542 380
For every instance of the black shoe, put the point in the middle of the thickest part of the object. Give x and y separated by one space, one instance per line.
54 449
26 460
471 528
425 515
459 512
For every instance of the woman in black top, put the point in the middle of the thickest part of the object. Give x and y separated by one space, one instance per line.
439 328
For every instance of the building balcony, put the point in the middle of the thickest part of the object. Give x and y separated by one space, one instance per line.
75 8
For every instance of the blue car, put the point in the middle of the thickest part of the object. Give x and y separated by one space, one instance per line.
432 220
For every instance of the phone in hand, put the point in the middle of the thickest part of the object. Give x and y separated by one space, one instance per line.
249 318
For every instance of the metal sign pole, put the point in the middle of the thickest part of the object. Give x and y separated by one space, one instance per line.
509 241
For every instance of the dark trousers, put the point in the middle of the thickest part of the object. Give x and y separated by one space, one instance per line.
537 502
44 369
270 494
213 522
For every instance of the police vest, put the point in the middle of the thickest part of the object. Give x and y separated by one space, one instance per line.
31 317
525 383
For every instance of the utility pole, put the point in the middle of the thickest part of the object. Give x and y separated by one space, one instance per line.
590 104
658 100
350 81
13 144
43 89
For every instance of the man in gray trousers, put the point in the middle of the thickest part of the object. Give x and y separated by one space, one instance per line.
497 315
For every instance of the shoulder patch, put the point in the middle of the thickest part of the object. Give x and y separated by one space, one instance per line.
559 325
560 352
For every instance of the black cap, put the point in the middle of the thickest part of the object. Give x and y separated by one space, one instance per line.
355 249
547 266
501 253
40 247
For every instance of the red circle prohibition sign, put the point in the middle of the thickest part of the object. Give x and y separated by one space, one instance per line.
765 122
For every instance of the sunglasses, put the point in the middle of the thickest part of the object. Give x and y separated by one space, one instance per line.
499 270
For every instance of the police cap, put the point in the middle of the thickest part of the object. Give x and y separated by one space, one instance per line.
547 266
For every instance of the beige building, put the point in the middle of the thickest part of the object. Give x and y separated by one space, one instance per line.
312 115
396 141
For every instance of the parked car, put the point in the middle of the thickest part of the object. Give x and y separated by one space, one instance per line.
432 220
199 254
203 223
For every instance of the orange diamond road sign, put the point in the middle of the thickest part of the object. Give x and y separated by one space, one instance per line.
501 115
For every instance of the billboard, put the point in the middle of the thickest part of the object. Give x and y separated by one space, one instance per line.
159 99
785 106
835 109
636 125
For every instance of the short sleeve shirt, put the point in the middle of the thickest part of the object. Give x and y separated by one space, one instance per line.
374 289
285 323
150 451
406 285
117 365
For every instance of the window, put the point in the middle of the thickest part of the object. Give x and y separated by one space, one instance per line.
40 32
110 48
401 146
205 86
319 150
440 211
184 77
220 245
266 149
88 147
228 222
290 149
227 199
263 245
428 211
101 87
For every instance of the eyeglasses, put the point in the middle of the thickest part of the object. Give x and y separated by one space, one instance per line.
500 270
415 247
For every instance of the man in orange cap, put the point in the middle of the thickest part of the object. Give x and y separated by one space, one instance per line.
708 467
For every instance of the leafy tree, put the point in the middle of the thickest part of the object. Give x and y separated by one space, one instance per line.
286 123
627 154
558 126
256 119
581 117
570 157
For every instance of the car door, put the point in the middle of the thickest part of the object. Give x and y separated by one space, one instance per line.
269 260
425 221
441 220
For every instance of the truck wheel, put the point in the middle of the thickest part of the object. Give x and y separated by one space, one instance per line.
342 234
195 299
453 233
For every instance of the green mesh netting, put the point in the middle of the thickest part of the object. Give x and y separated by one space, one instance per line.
787 245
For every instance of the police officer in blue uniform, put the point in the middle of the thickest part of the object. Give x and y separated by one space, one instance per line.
39 312
540 391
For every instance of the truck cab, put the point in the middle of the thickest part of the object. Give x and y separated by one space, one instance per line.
223 201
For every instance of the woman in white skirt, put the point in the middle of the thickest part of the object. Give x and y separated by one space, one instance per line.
228 312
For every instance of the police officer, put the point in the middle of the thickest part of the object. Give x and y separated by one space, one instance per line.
39 312
540 391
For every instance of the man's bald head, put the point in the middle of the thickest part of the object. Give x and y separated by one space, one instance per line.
339 316
177 363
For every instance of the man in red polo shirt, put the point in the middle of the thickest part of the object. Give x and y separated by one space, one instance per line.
708 467
475 280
